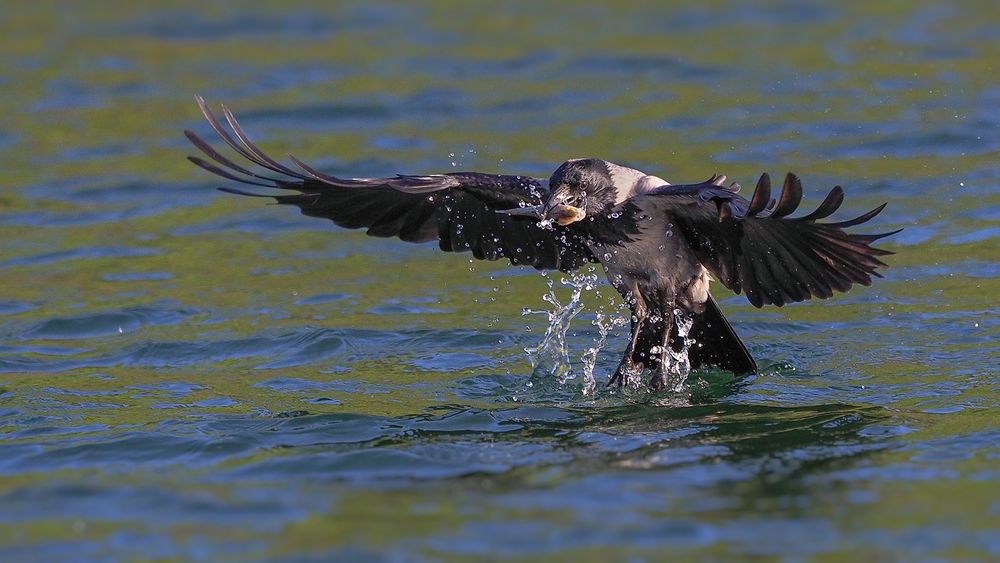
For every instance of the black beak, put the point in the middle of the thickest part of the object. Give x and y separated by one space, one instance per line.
535 211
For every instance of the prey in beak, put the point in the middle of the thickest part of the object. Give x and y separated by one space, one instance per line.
559 213
564 214
562 208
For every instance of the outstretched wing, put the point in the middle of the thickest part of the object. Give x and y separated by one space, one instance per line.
753 246
460 210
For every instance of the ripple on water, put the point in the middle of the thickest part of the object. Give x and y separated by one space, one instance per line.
184 353
98 501
449 443
91 252
108 323
14 307
257 221
664 67
453 361
173 25
619 458
488 386
299 385
309 347
426 447
173 388
305 346
325 298
129 450
397 307
214 402
137 276
97 201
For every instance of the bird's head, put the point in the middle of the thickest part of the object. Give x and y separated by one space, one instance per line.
578 189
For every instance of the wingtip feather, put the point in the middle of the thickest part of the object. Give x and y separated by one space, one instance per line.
240 192
761 195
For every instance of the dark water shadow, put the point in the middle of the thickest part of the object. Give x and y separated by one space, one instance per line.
458 441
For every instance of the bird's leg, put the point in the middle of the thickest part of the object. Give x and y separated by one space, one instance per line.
629 365
663 370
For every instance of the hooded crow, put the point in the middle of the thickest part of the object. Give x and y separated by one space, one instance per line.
660 244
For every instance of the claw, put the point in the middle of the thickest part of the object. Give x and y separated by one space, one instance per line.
658 382
616 381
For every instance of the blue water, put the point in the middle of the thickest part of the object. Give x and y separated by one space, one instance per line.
189 375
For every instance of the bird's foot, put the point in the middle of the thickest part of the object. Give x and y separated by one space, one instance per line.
617 380
658 382
624 375
666 377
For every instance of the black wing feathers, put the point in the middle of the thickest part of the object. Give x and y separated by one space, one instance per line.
832 203
754 247
459 210
761 195
791 196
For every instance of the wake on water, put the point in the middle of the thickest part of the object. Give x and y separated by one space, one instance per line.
552 356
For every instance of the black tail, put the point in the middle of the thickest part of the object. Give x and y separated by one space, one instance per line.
716 343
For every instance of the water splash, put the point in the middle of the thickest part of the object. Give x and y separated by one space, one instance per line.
677 363
605 323
551 355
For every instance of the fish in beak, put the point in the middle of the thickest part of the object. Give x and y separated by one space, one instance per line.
564 214
556 211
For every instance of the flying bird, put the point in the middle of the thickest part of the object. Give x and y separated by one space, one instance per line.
660 244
